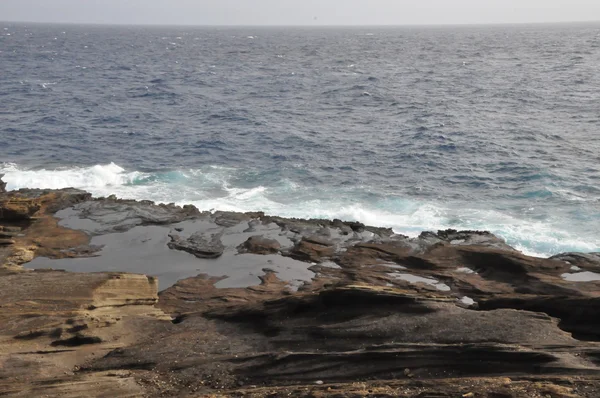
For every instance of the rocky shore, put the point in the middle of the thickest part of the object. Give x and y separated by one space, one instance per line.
109 297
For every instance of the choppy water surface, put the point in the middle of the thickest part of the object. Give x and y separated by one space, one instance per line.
493 128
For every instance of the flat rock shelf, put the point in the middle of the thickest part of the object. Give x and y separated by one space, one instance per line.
110 297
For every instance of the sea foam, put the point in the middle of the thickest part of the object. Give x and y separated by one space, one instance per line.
220 188
91 178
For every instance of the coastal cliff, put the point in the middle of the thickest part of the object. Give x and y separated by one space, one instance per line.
247 304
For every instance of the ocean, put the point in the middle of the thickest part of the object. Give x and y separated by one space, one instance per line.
415 128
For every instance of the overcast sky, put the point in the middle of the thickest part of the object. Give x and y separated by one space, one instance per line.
299 12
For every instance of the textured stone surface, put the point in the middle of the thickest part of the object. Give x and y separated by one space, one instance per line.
200 244
328 308
52 322
260 245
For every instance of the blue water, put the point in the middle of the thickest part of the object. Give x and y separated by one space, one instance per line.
493 128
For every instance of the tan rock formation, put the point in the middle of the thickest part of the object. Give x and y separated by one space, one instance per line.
447 314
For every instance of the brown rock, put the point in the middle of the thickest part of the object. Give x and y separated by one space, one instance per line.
260 245
311 251
10 229
7 235
52 322
383 318
18 209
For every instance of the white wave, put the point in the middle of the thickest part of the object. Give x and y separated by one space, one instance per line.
532 238
90 178
212 188
244 194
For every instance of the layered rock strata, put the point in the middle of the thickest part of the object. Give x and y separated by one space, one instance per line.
252 305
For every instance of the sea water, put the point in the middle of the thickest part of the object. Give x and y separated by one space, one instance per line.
414 128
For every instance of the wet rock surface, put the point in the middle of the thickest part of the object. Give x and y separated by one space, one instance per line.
202 245
253 305
260 245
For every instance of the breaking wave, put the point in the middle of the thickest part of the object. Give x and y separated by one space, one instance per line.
222 188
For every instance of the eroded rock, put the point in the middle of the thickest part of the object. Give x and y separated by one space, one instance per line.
312 249
22 205
355 333
260 245
103 216
200 244
586 261
366 315
473 238
15 209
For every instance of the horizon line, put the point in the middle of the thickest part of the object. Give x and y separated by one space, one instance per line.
594 21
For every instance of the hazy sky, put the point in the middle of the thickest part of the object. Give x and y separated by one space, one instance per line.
298 12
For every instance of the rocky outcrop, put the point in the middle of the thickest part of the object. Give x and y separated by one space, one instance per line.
2 184
258 244
16 209
52 322
581 261
22 205
28 228
579 316
110 215
389 340
202 245
312 249
266 306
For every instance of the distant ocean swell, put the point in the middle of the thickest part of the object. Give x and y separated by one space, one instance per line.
222 188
